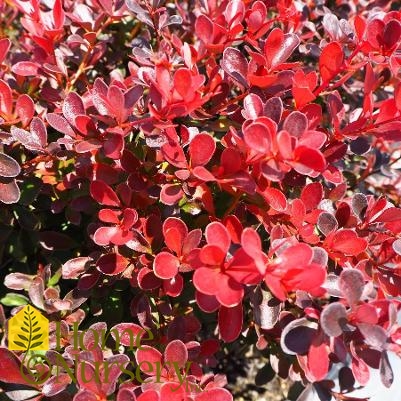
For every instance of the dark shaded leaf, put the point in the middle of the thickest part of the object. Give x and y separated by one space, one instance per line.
297 336
235 64
8 166
327 223
333 319
386 371
351 283
359 204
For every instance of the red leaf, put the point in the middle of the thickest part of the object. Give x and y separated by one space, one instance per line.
8 166
58 14
147 279
390 214
201 149
303 86
174 231
103 194
4 48
73 106
148 357
206 280
230 322
25 68
311 195
126 394
56 384
182 82
172 391
117 363
28 139
374 33
279 47
107 5
204 28
149 395
176 352
59 123
174 154
6 98
75 267
253 107
318 358
251 242
86 378
347 242
84 125
207 303
230 292
307 158
25 109
359 368
174 286
235 64
165 265
171 194
9 192
391 34
116 100
330 61
258 137
216 234
10 369
201 173
129 334
111 264
38 129
275 199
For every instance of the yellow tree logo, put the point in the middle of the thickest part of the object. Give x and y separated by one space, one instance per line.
28 330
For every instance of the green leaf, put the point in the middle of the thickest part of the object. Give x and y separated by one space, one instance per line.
36 344
24 329
20 344
22 337
35 330
54 279
36 337
30 189
34 324
14 299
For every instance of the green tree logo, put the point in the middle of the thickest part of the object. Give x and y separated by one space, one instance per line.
28 330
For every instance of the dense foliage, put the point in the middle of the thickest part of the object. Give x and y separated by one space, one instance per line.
213 172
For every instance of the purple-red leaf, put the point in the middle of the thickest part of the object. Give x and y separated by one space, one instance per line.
103 194
235 64
111 264
333 319
351 284
8 166
230 322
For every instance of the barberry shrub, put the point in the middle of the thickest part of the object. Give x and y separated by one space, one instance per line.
211 173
